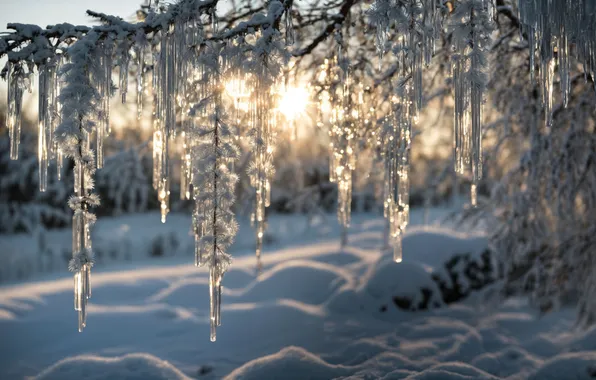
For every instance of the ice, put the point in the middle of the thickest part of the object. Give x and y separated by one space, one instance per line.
16 86
103 83
213 183
550 27
342 116
140 51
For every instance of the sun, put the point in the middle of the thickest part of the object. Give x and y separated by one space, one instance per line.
293 102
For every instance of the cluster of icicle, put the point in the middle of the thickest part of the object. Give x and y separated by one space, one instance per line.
214 152
49 108
471 29
416 24
340 100
18 79
253 84
82 112
172 68
397 139
262 133
103 84
64 120
188 73
551 27
261 169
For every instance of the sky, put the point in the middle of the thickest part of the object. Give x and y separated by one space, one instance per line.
45 12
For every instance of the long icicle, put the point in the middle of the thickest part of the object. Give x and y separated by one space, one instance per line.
44 140
16 87
343 121
470 80
213 181
103 83
419 24
263 135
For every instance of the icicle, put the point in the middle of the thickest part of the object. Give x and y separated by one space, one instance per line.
199 227
379 13
473 194
157 156
290 39
140 85
54 110
54 114
78 291
213 305
15 103
164 198
124 60
470 79
459 121
218 308
164 122
214 21
547 70
107 87
81 243
212 182
262 120
397 138
532 52
419 25
59 164
557 23
342 131
185 164
397 246
104 85
44 123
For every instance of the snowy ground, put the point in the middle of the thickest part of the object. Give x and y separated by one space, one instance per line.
315 312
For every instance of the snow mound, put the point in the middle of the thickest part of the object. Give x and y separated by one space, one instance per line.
509 361
439 267
578 366
306 281
435 245
586 341
138 366
291 363
297 363
408 285
452 371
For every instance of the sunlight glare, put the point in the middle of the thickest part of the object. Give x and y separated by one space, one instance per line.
293 102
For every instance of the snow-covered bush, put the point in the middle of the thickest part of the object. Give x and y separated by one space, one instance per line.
22 207
543 142
123 183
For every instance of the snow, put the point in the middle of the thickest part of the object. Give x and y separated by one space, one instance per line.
578 365
131 367
313 312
